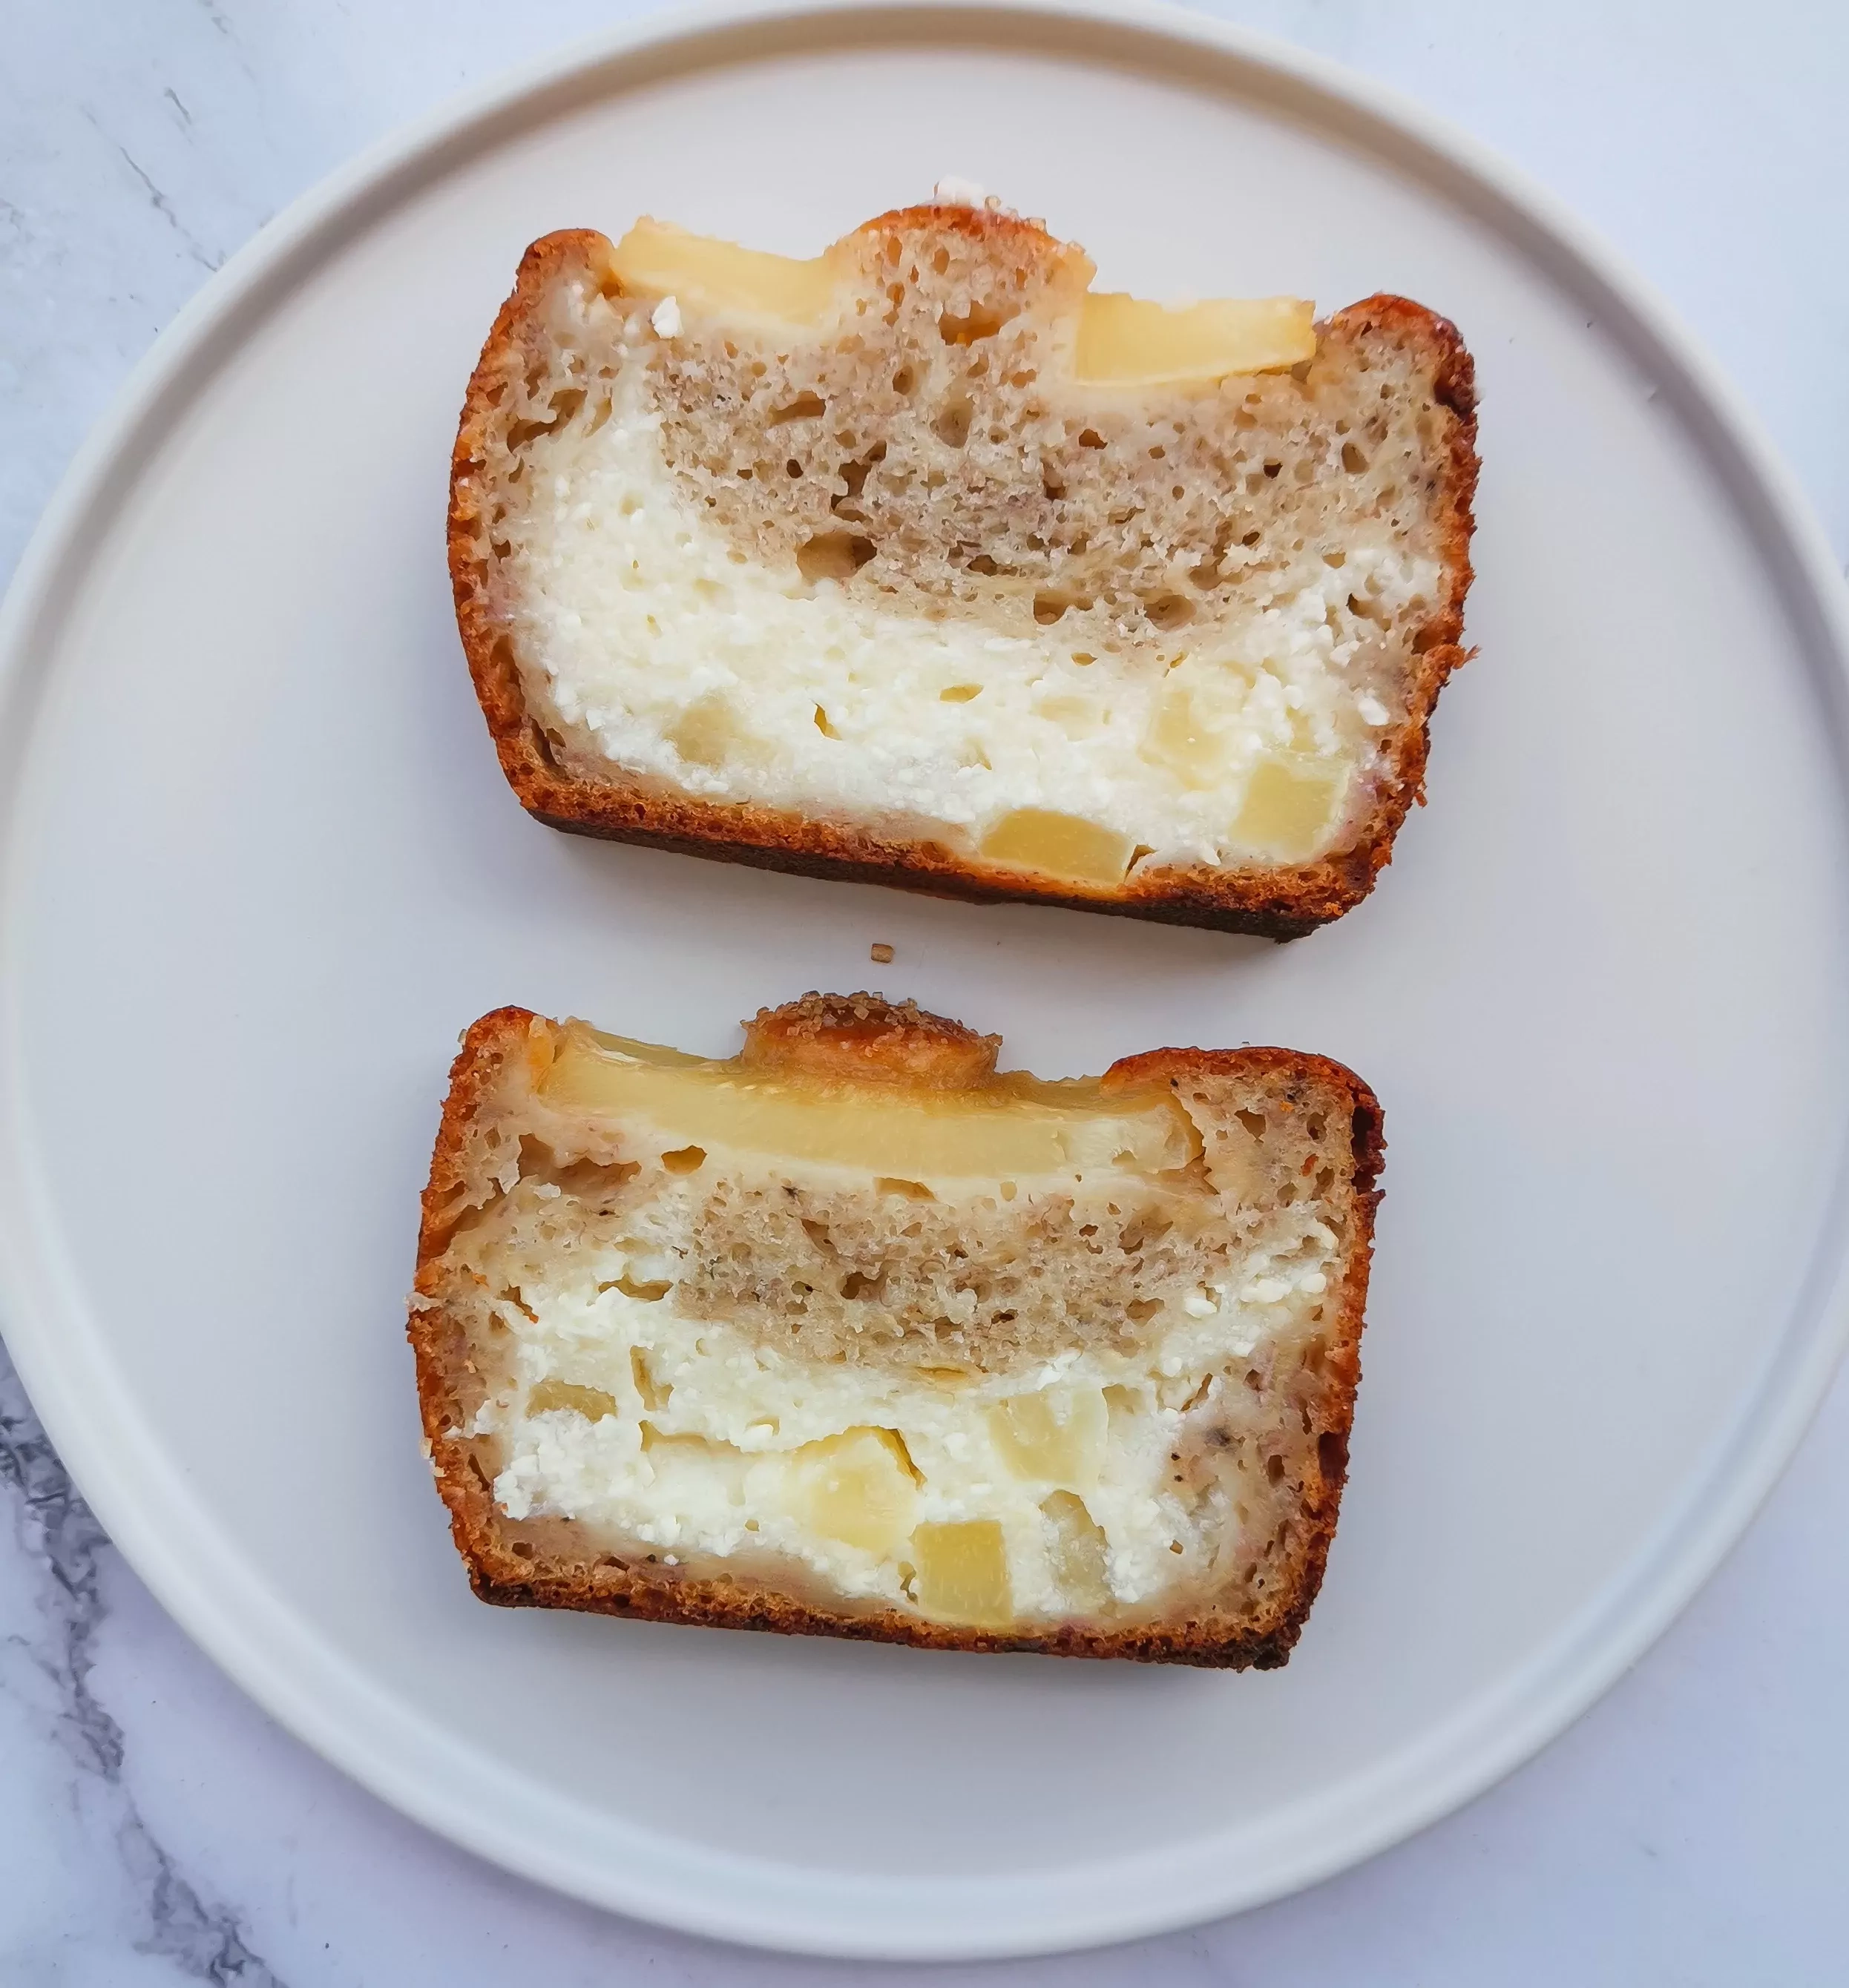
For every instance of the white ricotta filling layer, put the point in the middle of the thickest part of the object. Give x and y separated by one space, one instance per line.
693 1448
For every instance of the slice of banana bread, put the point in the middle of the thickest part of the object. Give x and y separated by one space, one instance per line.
849 1335
922 563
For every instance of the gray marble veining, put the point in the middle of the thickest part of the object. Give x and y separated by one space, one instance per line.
54 1528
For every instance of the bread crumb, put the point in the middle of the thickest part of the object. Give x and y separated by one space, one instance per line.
666 318
882 955
951 191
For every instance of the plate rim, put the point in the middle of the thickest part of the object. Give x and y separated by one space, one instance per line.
96 1437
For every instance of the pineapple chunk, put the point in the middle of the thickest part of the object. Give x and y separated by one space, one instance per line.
1009 1127
592 1403
962 1572
1056 1436
857 1487
719 278
1076 1553
709 732
1129 342
1080 717
1180 739
540 1048
686 1465
1293 802
664 1446
1060 845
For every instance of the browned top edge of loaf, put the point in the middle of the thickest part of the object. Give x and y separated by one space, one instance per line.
659 1593
1276 903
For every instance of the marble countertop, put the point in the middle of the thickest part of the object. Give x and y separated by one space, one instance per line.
155 1827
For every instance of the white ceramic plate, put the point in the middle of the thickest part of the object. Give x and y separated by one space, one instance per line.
261 868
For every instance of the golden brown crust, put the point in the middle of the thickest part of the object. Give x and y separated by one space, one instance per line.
1274 903
533 1564
868 1038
